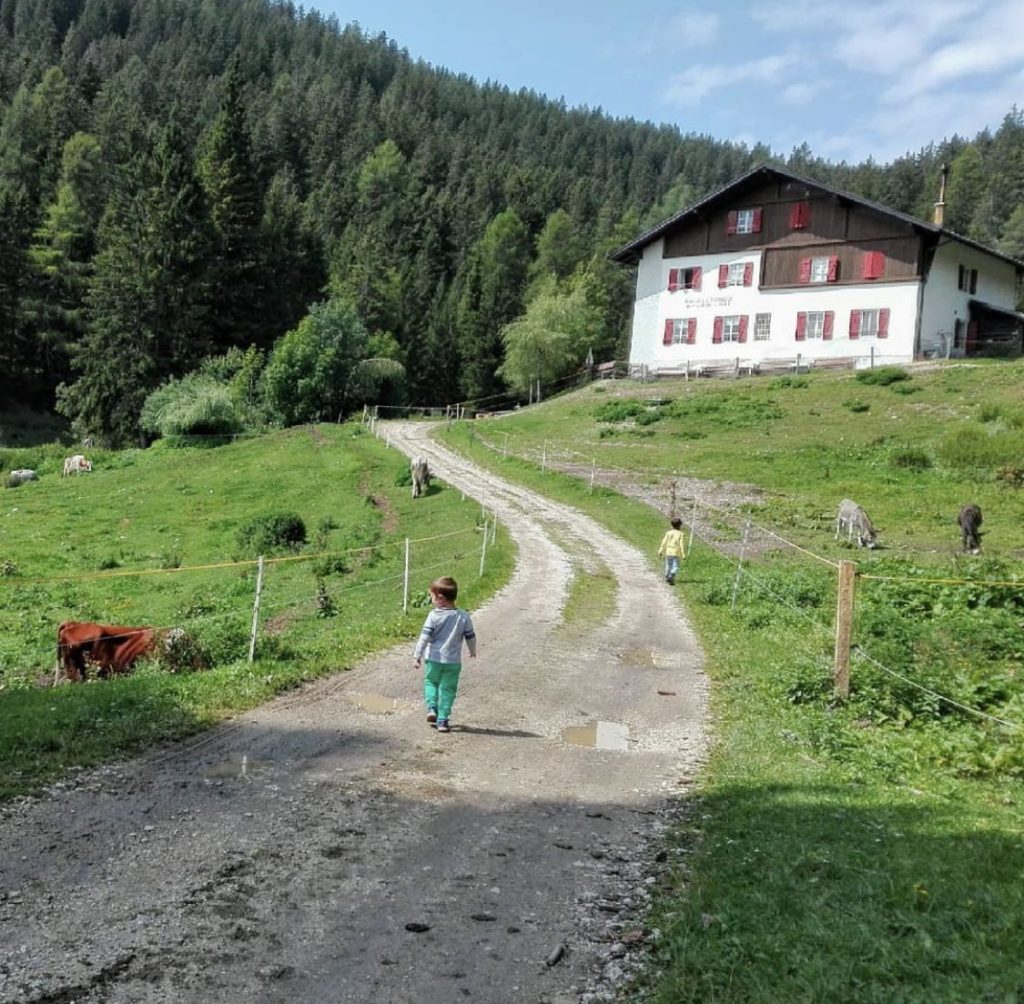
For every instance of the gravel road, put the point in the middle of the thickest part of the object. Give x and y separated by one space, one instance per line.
330 846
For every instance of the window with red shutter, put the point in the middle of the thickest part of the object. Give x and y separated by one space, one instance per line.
830 317
748 273
872 265
883 323
855 324
755 222
716 335
801 326
805 269
691 331
723 276
673 279
744 321
731 222
666 338
833 269
697 275
799 215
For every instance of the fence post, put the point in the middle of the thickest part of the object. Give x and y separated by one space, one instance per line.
593 473
872 357
405 580
494 527
504 447
483 549
739 567
693 522
544 458
844 627
256 609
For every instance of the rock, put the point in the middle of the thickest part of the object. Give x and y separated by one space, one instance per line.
557 955
417 928
482 916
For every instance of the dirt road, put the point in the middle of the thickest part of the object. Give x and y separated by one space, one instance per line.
319 850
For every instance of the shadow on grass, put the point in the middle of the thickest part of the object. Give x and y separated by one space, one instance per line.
820 893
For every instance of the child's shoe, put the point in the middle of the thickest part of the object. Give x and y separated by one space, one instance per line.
442 725
431 715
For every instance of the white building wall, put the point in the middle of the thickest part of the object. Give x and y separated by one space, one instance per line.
654 304
943 304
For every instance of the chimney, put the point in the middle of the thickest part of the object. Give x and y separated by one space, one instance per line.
940 206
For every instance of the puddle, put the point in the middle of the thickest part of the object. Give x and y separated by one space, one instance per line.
240 765
599 735
376 704
642 657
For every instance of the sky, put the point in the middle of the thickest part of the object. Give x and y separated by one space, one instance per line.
852 80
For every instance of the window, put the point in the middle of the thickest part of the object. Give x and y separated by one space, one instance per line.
820 269
680 331
684 278
814 324
800 216
739 273
967 280
731 328
869 323
762 327
872 265
743 221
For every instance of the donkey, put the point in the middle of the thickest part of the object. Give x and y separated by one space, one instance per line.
852 519
969 521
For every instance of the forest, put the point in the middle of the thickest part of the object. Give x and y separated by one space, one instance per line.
215 213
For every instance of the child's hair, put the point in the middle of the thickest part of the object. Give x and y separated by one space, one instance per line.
445 586
676 522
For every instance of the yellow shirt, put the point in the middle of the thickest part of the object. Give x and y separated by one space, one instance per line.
672 544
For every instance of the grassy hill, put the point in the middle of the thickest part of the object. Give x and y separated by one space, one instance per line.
170 537
866 850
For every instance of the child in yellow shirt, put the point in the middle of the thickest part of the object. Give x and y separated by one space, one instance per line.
673 549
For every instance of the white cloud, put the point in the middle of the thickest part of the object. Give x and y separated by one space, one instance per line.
696 82
693 28
799 94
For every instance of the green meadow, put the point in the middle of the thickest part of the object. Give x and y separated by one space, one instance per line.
171 537
867 850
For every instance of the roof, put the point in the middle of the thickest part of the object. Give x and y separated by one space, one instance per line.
630 253
993 309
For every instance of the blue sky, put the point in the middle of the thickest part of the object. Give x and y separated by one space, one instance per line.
876 78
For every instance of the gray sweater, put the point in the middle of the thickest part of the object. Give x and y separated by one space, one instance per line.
443 633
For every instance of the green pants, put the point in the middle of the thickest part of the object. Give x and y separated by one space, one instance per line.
440 682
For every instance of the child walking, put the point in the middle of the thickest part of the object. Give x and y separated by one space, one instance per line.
673 549
444 631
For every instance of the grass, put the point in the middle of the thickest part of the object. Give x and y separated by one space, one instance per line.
152 537
862 851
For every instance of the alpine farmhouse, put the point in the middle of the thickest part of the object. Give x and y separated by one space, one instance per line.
776 271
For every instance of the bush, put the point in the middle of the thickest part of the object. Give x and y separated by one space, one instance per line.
857 406
193 406
272 532
973 447
791 382
910 458
882 376
619 411
1012 475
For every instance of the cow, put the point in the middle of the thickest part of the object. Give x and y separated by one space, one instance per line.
76 465
852 519
969 520
114 649
420 476
24 474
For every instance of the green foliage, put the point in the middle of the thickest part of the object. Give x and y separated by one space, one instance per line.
882 376
973 447
194 406
271 532
910 458
1011 475
858 407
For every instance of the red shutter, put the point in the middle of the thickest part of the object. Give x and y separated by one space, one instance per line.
748 273
799 215
833 268
743 327
666 338
673 279
830 317
756 223
691 331
698 274
731 222
872 265
883 323
805 269
723 276
716 336
855 324
801 326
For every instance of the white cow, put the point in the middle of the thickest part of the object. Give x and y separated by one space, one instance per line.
76 465
852 519
24 474
420 476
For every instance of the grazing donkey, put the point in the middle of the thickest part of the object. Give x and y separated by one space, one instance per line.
969 521
854 521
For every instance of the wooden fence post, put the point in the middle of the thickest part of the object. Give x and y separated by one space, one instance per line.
483 549
844 627
256 610
693 523
739 567
405 580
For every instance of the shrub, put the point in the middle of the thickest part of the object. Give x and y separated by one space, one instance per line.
619 411
403 477
857 406
882 376
906 388
648 417
272 532
972 447
791 382
910 458
990 412
193 406
1012 475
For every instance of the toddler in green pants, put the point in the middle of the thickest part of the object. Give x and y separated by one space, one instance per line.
444 631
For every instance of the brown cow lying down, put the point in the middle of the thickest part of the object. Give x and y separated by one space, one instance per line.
114 648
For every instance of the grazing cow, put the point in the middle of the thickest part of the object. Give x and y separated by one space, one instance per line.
76 465
969 520
24 474
113 649
854 521
420 476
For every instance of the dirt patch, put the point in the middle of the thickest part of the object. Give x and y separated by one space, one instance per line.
388 510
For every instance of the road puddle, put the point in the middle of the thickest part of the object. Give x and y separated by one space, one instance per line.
239 765
599 735
376 704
